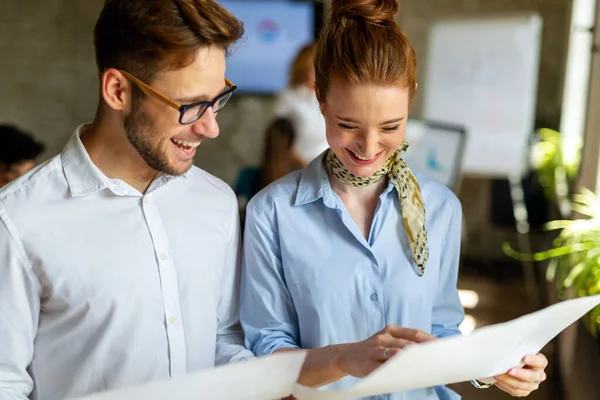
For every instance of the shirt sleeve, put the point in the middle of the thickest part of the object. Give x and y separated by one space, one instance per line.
19 314
230 336
448 312
267 311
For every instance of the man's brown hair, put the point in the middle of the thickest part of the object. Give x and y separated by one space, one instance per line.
361 43
144 37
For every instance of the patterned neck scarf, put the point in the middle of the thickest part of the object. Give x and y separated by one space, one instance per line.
411 202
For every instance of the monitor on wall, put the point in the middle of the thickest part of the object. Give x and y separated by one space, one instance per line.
274 32
436 149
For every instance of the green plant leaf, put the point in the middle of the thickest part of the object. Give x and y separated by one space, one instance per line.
551 269
578 269
544 255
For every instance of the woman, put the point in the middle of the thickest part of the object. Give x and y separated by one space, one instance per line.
354 257
299 103
279 158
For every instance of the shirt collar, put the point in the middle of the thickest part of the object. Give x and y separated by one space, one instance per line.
314 184
84 177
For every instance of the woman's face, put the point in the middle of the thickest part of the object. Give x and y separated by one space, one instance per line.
365 123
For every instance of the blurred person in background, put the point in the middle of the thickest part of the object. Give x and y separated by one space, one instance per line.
355 256
119 260
278 159
18 153
299 103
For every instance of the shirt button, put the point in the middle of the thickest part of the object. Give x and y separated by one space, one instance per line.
163 256
172 320
374 297
146 201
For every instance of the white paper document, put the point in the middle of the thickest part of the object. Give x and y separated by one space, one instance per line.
264 378
487 352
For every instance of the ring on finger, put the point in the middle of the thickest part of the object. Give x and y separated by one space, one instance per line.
537 380
385 353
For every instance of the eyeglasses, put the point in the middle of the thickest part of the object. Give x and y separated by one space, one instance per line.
188 113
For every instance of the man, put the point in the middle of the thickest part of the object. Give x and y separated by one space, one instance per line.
18 151
118 258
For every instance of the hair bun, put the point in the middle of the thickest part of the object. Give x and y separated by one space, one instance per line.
375 11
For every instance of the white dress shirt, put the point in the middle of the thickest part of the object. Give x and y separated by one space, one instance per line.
300 105
102 286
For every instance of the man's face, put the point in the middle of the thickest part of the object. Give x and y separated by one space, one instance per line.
153 128
11 172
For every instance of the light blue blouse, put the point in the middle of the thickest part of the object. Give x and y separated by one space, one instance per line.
311 279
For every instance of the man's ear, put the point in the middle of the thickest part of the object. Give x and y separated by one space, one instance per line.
116 90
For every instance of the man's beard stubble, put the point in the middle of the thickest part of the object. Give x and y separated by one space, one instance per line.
139 129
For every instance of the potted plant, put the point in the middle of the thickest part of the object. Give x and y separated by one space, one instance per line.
574 259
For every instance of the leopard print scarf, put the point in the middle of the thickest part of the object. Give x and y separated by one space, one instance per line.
409 193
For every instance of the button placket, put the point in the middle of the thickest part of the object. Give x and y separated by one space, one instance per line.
170 288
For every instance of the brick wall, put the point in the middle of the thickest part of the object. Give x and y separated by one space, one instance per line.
49 82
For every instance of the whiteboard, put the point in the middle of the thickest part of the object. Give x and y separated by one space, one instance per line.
482 73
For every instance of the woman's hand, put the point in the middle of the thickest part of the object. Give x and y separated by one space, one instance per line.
361 358
520 382
328 364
